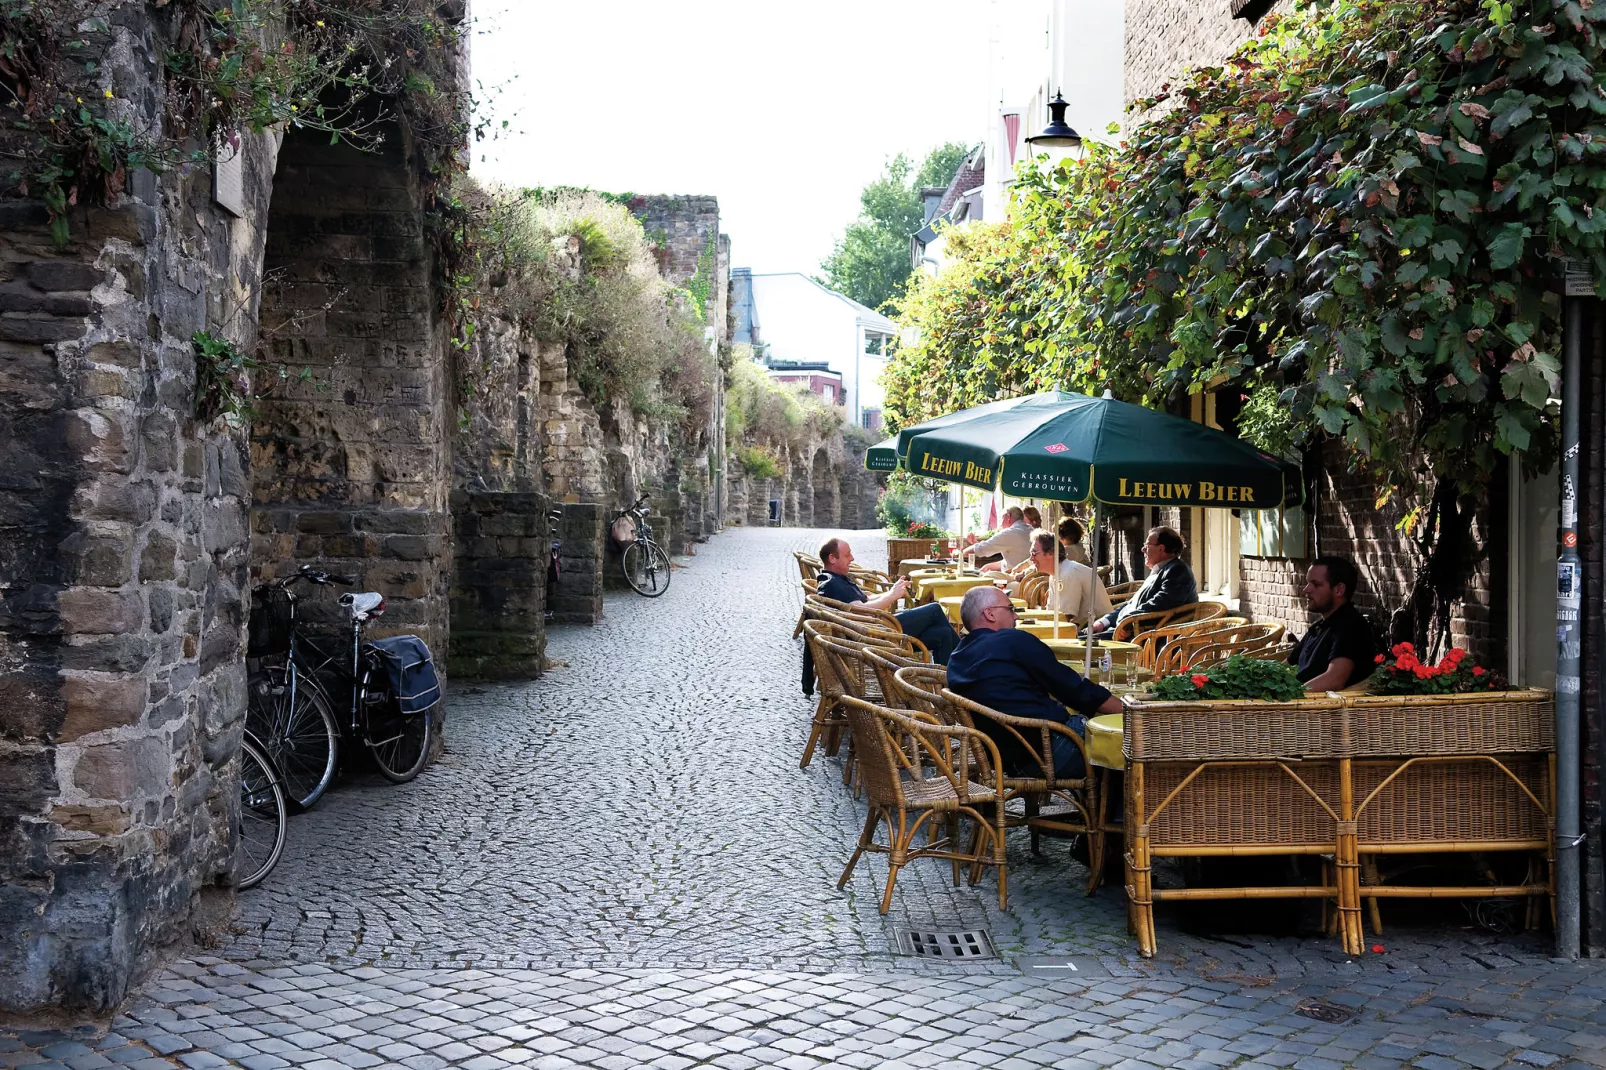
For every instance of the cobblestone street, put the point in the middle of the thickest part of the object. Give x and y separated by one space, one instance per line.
621 865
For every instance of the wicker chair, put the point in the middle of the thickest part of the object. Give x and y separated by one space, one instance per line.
870 631
1034 590
838 678
1242 640
808 565
906 798
1053 803
1168 650
1120 592
1138 623
857 609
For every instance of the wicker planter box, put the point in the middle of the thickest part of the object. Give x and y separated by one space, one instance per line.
1495 722
1352 778
902 549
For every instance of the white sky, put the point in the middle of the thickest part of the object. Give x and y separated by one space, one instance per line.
782 110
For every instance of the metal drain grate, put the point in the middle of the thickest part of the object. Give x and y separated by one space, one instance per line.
1323 1011
965 944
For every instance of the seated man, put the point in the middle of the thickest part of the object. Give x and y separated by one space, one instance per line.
929 624
1339 649
1081 595
1014 542
1170 583
1016 673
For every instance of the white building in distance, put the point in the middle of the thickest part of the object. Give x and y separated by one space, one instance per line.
791 320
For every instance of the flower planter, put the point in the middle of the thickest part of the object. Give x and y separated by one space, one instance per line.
899 550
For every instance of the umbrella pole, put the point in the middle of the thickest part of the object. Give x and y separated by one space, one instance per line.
1087 643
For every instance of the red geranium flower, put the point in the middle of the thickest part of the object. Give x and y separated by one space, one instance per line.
1379 659
1200 679
1402 649
1478 670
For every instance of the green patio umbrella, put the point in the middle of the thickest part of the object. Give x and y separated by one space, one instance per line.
1068 447
882 457
1072 448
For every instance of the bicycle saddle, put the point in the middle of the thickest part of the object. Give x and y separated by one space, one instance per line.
365 605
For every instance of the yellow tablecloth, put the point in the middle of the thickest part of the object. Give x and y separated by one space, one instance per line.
933 589
921 564
1065 649
1105 734
1040 622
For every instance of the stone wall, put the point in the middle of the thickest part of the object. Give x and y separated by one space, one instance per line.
351 464
1165 38
499 585
122 573
823 485
126 525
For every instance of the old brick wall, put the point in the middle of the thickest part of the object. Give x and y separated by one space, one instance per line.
1347 521
122 572
1592 550
1164 38
351 465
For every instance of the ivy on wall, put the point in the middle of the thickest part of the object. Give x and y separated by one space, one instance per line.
1355 221
344 67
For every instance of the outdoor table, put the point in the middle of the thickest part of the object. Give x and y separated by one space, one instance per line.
1104 735
931 590
910 565
1064 648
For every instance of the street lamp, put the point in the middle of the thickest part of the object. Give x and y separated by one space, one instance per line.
1057 140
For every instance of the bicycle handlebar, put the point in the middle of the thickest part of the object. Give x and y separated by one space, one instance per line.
318 576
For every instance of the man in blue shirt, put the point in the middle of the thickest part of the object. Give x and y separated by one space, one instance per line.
1015 672
929 623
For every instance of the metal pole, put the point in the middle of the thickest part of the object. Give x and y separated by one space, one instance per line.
1087 641
1569 633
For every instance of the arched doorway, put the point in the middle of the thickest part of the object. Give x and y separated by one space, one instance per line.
827 494
349 450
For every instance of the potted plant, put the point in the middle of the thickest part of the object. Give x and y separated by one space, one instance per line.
1401 672
1239 677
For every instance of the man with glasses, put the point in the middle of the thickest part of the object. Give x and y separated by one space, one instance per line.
1080 593
1015 672
1170 583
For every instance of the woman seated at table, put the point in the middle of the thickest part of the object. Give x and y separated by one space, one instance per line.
1071 532
1081 595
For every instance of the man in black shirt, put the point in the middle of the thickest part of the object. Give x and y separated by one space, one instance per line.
928 623
1339 650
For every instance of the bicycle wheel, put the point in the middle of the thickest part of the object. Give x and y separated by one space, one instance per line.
646 568
302 737
263 817
399 742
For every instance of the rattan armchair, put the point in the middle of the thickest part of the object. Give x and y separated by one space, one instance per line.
808 565
871 631
1120 592
1053 803
857 609
1169 649
1034 590
836 649
1242 640
1129 629
916 773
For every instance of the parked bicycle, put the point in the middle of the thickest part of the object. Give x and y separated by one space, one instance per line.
264 813
291 709
645 563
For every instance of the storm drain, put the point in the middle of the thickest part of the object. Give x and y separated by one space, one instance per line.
1323 1011
965 944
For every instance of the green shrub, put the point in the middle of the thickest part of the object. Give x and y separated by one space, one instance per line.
758 462
1238 677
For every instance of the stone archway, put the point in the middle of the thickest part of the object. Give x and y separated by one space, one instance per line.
827 493
351 465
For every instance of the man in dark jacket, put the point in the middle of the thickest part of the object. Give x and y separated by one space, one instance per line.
1015 672
928 623
1170 583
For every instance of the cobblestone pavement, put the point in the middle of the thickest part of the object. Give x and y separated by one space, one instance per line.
621 865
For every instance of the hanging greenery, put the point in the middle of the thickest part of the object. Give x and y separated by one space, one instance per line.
1362 209
342 67
1360 215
